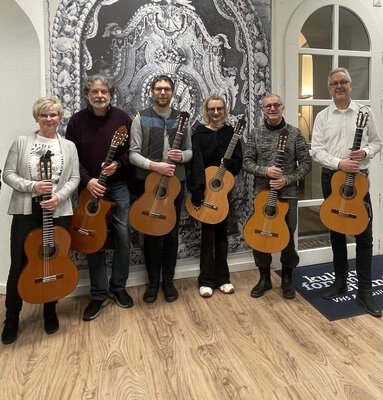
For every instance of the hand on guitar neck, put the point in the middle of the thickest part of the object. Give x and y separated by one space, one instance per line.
351 164
278 181
163 168
95 188
44 188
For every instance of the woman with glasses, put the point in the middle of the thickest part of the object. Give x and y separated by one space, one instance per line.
22 172
209 144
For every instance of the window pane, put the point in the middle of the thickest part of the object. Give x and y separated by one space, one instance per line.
306 118
313 72
317 30
360 75
352 33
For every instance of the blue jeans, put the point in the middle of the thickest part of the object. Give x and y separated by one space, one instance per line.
363 245
119 193
289 256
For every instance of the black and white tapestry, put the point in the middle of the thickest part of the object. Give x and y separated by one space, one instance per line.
206 46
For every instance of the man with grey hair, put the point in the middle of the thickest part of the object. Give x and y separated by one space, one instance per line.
259 159
92 130
332 141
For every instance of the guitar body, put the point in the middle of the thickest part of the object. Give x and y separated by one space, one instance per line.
215 206
46 279
89 227
152 214
268 234
347 215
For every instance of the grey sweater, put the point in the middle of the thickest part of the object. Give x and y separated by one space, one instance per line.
261 151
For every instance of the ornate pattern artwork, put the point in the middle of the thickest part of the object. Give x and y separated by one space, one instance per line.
216 46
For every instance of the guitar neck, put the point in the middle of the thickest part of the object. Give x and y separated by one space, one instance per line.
108 161
357 139
48 238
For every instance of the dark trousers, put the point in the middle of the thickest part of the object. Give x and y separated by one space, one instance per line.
214 270
21 226
289 256
363 244
161 251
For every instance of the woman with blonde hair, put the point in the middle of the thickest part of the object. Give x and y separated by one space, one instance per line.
209 144
22 173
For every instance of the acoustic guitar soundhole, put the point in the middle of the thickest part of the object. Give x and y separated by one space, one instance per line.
161 191
348 192
216 184
270 211
92 207
47 251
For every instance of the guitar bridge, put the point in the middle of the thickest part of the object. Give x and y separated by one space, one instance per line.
343 213
50 278
84 232
266 233
153 214
209 205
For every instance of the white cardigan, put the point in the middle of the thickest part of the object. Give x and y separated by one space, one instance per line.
16 174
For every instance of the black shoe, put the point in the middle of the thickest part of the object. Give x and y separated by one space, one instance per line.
170 292
368 303
9 332
121 298
260 288
51 324
150 295
93 309
335 290
288 290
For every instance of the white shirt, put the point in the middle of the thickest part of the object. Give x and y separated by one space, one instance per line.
334 132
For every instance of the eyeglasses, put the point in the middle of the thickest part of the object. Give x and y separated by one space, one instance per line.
160 89
215 109
336 83
46 116
275 105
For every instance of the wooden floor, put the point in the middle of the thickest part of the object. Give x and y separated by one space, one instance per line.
225 347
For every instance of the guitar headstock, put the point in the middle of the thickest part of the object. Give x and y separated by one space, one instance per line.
282 140
240 127
362 118
119 136
182 121
45 163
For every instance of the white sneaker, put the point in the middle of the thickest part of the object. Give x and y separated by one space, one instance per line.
227 288
205 291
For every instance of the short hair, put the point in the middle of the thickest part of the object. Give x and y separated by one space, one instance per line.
338 69
104 80
160 78
268 95
43 103
205 113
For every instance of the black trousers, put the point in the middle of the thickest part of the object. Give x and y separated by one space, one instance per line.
214 270
363 244
21 226
161 251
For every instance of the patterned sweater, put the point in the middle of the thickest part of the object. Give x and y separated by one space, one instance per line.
261 151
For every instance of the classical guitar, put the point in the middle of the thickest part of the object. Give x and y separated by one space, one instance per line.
89 224
219 182
154 213
266 230
344 210
49 274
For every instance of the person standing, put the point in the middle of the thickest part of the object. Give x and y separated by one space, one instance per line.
209 145
22 173
333 136
92 130
260 155
152 135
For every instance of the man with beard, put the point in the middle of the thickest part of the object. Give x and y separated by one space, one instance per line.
152 135
332 143
92 130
